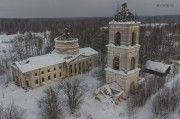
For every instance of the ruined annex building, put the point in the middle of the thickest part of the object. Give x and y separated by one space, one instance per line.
67 60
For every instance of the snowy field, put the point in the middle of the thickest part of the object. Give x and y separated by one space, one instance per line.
89 108
6 38
28 100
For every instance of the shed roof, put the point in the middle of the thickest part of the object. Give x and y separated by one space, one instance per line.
157 66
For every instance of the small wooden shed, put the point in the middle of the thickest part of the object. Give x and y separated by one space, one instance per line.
157 68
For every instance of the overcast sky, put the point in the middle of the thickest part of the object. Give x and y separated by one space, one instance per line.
83 8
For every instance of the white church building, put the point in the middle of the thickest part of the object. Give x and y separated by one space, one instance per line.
67 60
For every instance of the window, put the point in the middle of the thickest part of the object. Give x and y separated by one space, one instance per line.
71 69
87 65
60 74
59 67
90 63
42 72
35 74
49 78
48 70
54 69
133 39
42 79
116 63
132 63
117 41
83 67
54 75
79 68
75 68
36 81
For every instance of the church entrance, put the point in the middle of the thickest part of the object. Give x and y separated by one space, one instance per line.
27 83
132 88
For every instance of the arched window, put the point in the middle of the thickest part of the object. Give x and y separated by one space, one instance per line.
116 63
117 41
132 63
133 39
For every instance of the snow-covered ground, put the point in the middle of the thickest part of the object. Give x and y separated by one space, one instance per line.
28 100
5 40
89 108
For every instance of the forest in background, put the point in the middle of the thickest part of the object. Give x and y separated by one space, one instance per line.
158 43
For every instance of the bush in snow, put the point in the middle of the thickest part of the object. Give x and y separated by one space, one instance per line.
166 102
12 112
73 91
150 87
1 112
49 104
89 116
131 107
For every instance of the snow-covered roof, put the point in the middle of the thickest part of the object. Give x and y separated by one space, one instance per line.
50 59
129 22
120 72
87 51
115 86
156 66
123 46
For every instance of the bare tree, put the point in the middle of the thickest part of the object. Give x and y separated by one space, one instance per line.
13 112
73 91
1 111
166 102
49 104
131 107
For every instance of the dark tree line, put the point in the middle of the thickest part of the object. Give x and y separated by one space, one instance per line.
12 26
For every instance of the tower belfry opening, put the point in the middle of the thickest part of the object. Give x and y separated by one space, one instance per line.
133 39
116 63
117 41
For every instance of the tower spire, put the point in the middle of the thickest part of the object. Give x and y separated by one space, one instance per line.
124 15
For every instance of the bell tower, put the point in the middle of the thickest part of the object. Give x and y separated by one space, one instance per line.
123 51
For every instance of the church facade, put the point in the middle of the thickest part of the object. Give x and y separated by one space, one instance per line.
66 61
123 51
